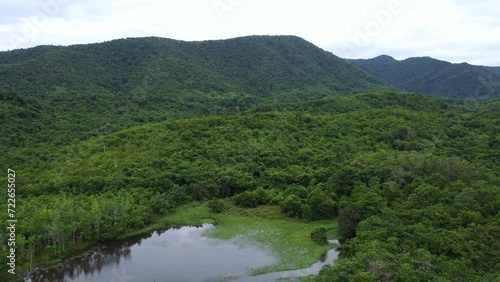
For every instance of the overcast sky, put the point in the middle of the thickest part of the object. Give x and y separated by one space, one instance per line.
452 30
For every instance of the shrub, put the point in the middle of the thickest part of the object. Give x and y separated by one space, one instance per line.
246 199
217 206
252 199
319 236
292 206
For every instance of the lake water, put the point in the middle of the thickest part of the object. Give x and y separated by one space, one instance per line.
176 255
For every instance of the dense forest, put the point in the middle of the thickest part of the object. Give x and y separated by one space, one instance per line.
412 180
100 151
435 77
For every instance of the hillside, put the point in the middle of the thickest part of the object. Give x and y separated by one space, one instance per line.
438 78
61 94
412 180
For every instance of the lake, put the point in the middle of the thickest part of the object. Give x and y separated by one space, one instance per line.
177 255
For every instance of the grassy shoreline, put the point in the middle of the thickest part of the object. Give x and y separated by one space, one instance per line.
286 238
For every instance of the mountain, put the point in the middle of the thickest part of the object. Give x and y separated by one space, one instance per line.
59 94
256 64
495 70
430 76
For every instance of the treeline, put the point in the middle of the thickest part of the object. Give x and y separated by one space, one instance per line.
54 225
413 181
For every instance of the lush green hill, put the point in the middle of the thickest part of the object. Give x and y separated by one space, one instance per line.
438 78
59 94
413 181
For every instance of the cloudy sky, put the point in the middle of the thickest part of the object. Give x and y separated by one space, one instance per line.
452 30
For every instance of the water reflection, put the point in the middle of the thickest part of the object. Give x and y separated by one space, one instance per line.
178 255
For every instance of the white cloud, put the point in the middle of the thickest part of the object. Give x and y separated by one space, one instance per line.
456 30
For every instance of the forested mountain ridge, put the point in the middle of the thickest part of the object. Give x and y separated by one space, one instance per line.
256 64
438 78
412 180
60 94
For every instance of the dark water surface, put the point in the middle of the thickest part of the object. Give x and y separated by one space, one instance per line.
174 255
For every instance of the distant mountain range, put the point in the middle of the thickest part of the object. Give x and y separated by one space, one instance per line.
495 70
438 78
